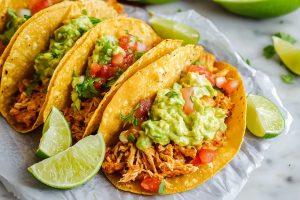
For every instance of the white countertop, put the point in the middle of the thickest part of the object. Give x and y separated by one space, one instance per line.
279 176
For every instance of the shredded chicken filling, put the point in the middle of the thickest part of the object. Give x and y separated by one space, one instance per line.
79 120
27 107
160 161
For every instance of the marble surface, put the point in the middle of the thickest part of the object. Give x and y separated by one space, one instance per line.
279 176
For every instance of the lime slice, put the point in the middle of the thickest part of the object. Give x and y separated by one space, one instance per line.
169 29
56 135
259 8
289 54
263 117
72 167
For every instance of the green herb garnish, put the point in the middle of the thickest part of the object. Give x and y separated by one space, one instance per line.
130 118
86 89
286 37
248 61
138 54
288 78
113 79
172 94
269 51
131 137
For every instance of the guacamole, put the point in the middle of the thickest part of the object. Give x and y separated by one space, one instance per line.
12 24
63 40
168 122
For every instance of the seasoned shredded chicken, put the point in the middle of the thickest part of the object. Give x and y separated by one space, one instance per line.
160 161
27 107
79 120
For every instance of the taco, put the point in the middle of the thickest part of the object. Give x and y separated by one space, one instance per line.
112 52
174 124
42 46
14 13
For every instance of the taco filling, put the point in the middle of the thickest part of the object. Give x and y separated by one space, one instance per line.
12 24
174 134
32 92
111 57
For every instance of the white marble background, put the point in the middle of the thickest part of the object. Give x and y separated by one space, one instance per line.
279 176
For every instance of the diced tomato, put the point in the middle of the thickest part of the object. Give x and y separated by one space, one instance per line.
207 155
107 71
188 107
128 60
201 70
124 42
220 81
230 86
40 5
204 156
99 83
95 70
151 184
117 60
144 108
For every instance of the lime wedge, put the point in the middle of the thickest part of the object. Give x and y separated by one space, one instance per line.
263 117
72 167
259 8
56 135
169 29
288 53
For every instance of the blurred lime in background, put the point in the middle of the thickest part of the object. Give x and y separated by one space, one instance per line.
174 30
259 8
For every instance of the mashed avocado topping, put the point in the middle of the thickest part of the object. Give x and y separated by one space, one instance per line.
168 122
12 25
64 38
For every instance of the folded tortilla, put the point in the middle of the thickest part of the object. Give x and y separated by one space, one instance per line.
32 39
161 74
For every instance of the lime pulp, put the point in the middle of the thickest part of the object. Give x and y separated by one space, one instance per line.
56 135
72 167
288 53
263 117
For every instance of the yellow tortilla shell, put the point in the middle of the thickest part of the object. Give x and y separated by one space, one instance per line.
77 63
33 39
164 73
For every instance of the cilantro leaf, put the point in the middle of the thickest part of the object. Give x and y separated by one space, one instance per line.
138 54
248 61
172 94
130 118
269 51
86 89
94 20
288 78
286 37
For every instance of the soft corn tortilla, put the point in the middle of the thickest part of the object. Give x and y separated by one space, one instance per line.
77 63
33 39
161 74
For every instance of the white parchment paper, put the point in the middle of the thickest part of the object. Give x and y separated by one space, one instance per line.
17 151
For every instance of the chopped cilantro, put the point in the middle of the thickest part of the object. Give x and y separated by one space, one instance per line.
179 10
162 187
197 62
130 118
286 37
138 54
172 94
248 61
84 12
288 78
94 20
86 89
269 51
33 83
131 137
